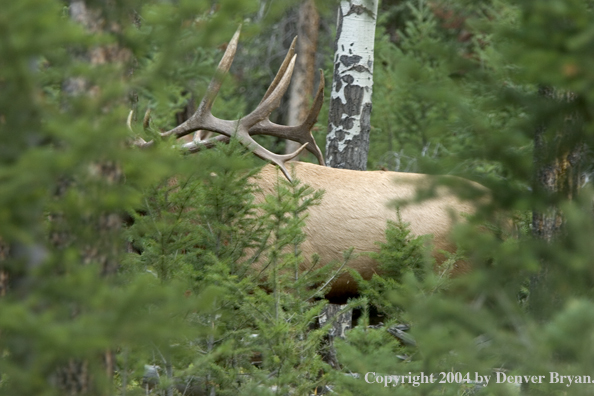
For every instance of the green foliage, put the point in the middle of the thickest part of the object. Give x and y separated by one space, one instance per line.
402 252
413 74
205 232
479 67
68 177
285 215
217 296
438 100
208 210
401 255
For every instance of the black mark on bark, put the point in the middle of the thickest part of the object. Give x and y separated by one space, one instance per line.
360 10
337 78
366 118
354 155
354 97
350 60
359 68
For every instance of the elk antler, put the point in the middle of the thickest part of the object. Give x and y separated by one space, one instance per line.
255 123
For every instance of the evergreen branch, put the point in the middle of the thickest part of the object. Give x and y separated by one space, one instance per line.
347 257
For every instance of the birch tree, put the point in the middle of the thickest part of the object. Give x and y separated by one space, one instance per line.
349 119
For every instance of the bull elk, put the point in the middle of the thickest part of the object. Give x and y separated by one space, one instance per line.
356 204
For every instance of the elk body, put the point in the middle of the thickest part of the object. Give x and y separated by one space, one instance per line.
356 204
354 212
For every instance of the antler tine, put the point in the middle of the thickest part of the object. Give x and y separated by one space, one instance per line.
279 160
147 118
300 133
281 70
273 99
194 147
257 122
202 114
240 129
138 141
262 112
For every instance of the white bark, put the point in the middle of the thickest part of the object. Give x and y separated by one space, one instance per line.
347 142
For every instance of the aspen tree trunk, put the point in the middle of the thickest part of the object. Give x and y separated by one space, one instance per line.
347 143
349 120
302 85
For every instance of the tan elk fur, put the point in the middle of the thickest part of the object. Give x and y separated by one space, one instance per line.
355 209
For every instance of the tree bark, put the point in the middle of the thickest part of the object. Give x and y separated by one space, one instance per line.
349 121
75 377
557 157
340 324
302 85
